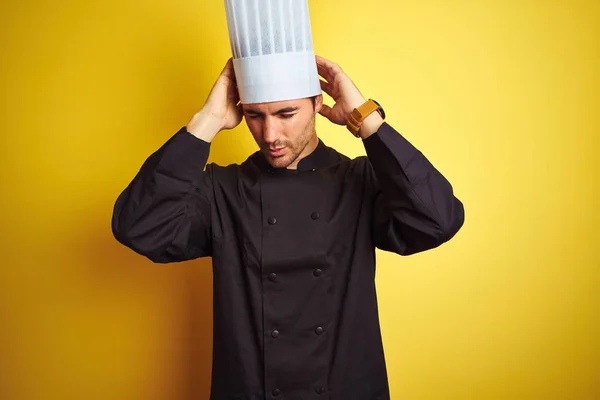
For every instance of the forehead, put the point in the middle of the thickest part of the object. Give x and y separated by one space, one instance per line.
273 107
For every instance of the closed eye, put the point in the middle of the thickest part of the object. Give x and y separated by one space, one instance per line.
255 116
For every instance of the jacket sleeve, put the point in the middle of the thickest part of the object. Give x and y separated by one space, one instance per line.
414 205
164 213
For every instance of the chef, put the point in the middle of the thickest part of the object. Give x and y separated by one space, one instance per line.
292 231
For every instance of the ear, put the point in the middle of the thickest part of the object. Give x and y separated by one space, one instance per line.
318 103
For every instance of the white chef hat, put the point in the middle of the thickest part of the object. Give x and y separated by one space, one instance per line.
272 47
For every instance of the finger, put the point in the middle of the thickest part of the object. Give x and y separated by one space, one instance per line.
325 73
228 70
232 88
327 87
234 96
330 66
325 67
322 66
322 60
326 111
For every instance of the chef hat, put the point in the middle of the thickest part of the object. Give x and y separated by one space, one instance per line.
273 55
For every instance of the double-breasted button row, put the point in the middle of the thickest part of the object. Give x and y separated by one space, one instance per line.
318 331
273 220
273 276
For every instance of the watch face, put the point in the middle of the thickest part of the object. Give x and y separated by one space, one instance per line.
380 109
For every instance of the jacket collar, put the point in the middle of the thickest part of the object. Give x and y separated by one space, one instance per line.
321 157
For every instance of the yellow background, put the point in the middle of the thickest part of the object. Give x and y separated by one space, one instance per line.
502 96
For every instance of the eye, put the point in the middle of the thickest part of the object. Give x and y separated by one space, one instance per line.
252 116
287 116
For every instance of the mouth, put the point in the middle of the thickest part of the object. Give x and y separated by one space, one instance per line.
276 152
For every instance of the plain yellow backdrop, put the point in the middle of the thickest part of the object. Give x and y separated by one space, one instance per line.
501 96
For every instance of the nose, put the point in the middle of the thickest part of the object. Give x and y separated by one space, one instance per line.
270 131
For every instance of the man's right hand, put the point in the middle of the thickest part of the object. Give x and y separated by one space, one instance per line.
221 110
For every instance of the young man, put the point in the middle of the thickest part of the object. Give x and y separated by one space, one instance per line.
292 232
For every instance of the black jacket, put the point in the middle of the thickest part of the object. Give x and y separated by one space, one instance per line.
295 306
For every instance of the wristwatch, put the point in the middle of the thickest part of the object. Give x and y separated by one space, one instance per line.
359 114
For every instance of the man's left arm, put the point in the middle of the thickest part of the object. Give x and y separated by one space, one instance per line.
414 205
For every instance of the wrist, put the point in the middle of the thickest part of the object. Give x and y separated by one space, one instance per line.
204 125
356 102
370 125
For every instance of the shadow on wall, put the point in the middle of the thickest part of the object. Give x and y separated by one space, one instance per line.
178 298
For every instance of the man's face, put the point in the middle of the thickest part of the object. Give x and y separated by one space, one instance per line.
284 130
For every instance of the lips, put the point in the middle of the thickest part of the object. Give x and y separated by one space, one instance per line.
276 152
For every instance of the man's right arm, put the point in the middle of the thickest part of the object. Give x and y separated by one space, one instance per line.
164 213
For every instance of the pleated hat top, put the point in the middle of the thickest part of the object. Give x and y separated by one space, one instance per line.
272 48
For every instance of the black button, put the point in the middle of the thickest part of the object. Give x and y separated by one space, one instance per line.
319 330
275 333
313 170
273 277
318 272
276 392
315 215
272 220
320 390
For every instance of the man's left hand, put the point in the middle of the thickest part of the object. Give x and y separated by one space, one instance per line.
346 95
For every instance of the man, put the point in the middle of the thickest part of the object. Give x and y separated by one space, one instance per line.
292 232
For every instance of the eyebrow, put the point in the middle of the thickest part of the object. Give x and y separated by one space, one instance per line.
278 112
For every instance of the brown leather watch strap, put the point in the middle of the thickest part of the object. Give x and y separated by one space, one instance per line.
359 114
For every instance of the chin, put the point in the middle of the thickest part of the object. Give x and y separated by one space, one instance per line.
279 162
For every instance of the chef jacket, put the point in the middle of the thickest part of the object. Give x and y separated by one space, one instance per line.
293 252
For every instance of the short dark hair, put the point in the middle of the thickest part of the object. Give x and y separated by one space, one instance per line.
314 101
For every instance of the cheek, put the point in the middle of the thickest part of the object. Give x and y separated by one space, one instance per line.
303 127
297 127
